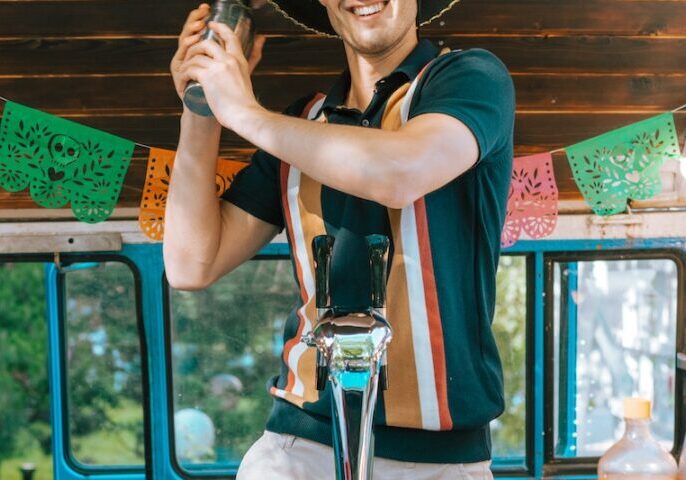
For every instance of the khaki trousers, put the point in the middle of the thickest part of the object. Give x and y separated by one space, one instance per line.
277 456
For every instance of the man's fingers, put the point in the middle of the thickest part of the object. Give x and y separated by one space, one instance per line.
232 43
256 53
191 69
196 20
190 33
197 14
190 74
184 46
209 48
191 28
197 61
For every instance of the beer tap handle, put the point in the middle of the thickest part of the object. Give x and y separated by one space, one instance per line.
322 247
378 260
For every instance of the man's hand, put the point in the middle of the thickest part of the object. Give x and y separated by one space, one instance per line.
224 73
190 35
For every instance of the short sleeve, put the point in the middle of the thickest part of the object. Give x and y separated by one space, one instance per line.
474 87
256 189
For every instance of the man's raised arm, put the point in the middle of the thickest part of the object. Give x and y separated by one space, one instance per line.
204 237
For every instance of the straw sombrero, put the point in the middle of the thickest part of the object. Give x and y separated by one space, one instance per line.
310 14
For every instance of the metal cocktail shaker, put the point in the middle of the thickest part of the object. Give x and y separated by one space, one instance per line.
237 15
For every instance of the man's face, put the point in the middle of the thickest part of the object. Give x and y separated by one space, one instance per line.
371 26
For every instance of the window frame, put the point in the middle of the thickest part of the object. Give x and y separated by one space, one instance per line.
71 461
554 465
208 472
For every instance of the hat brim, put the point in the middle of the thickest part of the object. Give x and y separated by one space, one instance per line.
312 16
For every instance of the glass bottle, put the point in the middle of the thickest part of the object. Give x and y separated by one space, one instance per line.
637 455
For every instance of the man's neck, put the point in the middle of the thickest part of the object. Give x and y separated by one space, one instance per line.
366 70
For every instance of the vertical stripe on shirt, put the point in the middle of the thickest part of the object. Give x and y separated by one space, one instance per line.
301 197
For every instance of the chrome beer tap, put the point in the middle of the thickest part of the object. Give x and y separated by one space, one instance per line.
351 354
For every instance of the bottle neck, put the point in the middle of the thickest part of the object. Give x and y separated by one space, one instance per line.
637 429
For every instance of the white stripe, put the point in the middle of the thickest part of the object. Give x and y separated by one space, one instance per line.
407 100
419 319
279 393
308 281
314 110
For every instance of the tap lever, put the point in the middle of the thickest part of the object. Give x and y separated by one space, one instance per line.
383 373
378 261
322 247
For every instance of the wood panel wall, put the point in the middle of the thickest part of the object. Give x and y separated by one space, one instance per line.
580 67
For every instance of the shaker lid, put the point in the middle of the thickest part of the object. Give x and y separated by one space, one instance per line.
637 408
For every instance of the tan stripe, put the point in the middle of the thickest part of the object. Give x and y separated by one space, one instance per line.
391 117
401 400
289 397
310 207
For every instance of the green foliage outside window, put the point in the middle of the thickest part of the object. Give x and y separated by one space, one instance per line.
509 326
24 404
104 365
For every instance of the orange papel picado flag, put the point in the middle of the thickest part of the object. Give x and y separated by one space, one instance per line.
154 198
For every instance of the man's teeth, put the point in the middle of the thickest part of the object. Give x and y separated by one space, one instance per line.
368 10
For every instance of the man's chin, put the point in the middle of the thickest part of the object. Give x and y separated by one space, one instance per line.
369 42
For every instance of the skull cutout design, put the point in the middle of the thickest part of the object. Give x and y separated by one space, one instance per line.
62 162
64 149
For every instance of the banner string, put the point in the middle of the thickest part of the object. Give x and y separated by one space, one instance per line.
558 150
142 145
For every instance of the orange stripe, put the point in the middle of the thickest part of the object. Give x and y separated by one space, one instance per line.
433 314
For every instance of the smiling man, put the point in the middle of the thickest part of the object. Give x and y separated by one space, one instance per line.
409 142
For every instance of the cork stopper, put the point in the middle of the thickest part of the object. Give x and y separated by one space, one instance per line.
637 408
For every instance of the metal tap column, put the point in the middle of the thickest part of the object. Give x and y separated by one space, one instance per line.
351 348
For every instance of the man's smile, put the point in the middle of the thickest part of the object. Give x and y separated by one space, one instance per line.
368 10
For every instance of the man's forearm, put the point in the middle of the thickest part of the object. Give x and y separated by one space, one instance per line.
368 163
192 219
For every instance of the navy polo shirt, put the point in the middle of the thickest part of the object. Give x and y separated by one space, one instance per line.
443 419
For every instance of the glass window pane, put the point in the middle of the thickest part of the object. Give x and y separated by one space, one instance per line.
103 365
509 327
25 432
614 335
226 342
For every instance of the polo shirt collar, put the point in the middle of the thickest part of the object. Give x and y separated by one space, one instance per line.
423 53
